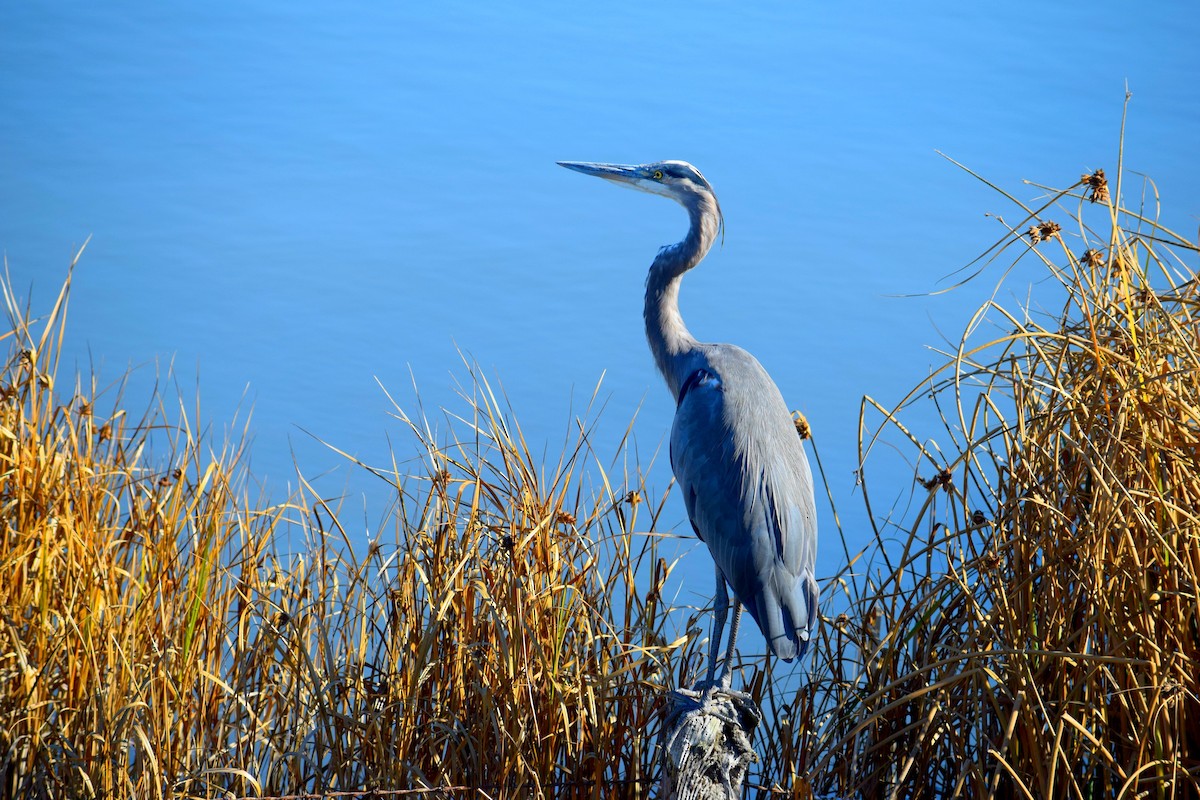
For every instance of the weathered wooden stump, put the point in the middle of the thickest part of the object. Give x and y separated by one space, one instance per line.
706 748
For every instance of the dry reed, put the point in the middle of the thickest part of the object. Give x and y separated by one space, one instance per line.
504 632
1032 627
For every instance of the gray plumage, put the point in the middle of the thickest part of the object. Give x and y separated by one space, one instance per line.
734 448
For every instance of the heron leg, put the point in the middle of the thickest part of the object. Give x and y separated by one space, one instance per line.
726 666
720 612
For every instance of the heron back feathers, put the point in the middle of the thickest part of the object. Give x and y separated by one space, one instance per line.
748 490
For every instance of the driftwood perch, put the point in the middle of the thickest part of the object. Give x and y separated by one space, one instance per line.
706 744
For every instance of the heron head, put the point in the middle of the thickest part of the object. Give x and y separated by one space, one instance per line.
677 180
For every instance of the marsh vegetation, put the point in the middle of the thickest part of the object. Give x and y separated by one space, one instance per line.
1029 626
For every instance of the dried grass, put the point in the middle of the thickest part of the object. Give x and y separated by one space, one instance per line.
1032 627
1028 629
504 632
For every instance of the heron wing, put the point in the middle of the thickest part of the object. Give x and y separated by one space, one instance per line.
749 494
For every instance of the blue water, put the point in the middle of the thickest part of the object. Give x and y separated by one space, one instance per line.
295 201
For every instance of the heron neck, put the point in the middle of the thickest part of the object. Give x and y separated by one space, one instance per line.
672 344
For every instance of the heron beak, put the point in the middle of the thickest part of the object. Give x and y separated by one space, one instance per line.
617 173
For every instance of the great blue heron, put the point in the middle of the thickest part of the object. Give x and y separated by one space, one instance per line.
734 448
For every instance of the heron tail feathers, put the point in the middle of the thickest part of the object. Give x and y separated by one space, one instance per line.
787 618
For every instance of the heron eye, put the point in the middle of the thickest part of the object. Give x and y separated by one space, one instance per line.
658 174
